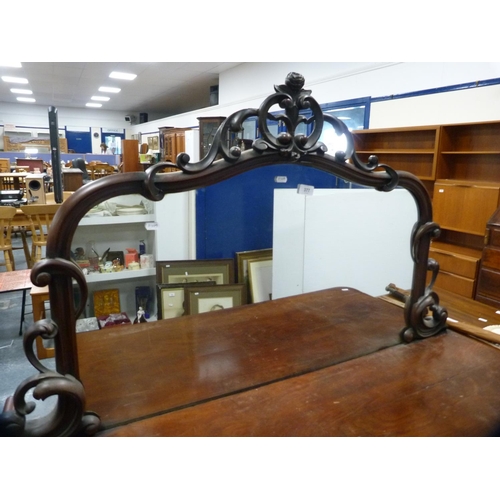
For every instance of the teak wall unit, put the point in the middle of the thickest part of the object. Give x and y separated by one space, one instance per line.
413 149
460 167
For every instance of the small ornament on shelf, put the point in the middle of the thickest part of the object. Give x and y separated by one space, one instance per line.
140 316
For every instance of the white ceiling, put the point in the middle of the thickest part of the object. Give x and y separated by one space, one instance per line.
161 88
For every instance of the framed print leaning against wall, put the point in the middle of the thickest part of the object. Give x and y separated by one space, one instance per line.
260 278
171 298
213 298
242 259
191 271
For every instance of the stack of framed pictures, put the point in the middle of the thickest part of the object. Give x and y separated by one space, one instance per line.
196 286
255 270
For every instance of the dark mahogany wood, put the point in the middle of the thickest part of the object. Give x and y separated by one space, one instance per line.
188 360
443 386
129 373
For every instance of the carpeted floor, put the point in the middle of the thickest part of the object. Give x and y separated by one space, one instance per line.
14 367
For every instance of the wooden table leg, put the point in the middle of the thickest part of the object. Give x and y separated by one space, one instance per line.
38 298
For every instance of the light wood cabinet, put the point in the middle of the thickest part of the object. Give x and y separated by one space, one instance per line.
458 267
130 155
459 165
464 206
173 142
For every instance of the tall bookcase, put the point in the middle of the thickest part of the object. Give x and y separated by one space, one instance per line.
413 149
460 167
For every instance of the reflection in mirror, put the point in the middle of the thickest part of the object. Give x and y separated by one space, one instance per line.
212 209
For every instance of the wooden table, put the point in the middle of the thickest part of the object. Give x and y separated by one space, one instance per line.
14 281
327 363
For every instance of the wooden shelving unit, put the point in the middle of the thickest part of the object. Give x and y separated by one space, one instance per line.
411 149
460 166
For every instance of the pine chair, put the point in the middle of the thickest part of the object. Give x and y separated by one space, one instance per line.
6 216
50 197
99 170
40 218
7 182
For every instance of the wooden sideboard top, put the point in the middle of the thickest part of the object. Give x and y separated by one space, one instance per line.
137 371
326 363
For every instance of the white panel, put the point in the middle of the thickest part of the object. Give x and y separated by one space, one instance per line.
172 216
288 243
192 144
358 238
288 240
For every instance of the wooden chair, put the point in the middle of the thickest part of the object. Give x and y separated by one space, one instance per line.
40 218
50 197
7 182
38 298
6 216
99 170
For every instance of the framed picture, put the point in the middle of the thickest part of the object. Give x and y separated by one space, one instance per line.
191 271
206 299
260 277
154 146
242 259
150 142
170 299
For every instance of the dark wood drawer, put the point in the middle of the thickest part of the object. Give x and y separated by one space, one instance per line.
493 237
488 284
491 258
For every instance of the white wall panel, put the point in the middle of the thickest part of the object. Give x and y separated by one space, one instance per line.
357 238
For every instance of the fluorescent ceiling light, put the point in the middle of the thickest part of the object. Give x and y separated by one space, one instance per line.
11 64
26 99
21 91
100 98
13 79
122 76
113 90
93 105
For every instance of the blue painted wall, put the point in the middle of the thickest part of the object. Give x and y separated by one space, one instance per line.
237 214
79 142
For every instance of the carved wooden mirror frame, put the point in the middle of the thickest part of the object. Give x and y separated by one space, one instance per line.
423 316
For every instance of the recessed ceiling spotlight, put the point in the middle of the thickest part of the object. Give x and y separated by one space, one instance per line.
113 90
100 98
11 64
14 79
26 99
122 76
21 91
93 105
